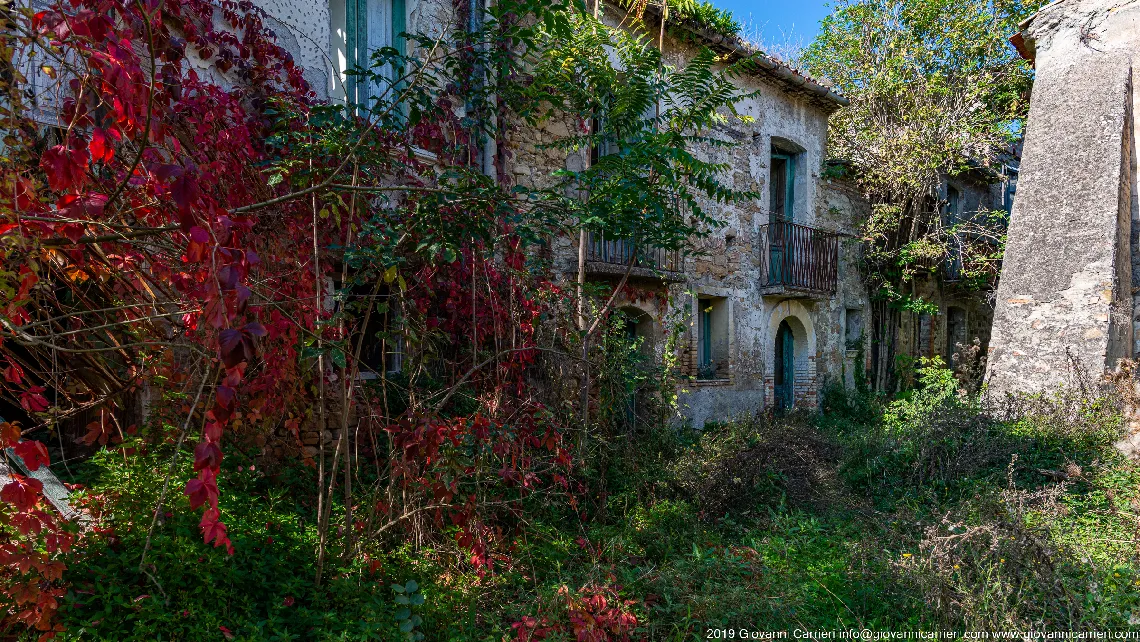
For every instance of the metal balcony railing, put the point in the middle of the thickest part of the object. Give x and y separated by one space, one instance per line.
618 253
798 258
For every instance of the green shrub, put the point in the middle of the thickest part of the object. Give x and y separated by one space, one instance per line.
926 510
190 591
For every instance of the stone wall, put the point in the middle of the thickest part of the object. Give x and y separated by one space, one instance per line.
1065 292
726 265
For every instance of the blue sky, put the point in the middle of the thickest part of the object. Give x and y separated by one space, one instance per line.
799 17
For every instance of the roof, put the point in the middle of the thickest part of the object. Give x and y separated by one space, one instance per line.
765 65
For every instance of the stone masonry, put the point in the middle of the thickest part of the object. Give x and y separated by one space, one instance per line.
1067 286
789 112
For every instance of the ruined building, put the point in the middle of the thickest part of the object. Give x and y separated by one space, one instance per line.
1068 287
772 303
770 300
983 195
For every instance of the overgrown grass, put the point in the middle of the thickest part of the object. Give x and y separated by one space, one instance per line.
917 512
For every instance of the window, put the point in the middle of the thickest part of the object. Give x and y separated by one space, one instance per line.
923 339
955 331
782 182
600 148
853 334
954 217
712 338
1010 188
383 341
370 25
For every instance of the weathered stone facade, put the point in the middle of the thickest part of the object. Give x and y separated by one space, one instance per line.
724 273
1067 289
963 315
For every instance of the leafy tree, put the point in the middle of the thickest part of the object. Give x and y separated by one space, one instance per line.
936 90
642 121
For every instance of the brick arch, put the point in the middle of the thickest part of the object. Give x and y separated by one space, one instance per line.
803 332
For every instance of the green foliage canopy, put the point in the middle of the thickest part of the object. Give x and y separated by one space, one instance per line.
932 83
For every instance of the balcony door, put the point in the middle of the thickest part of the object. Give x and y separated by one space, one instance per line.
953 218
780 212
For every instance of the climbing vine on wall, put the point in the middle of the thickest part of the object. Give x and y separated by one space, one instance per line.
196 253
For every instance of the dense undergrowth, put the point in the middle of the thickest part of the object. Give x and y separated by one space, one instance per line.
918 512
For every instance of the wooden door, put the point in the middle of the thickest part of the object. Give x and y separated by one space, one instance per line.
785 367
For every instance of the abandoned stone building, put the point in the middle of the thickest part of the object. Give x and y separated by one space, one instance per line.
964 314
770 299
772 303
1068 288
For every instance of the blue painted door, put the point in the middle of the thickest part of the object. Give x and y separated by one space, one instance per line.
782 191
785 367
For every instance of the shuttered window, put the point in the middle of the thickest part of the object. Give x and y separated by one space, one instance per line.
370 26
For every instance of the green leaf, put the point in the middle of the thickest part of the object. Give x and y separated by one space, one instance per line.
403 613
406 626
411 586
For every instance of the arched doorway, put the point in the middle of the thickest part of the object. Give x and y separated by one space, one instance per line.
785 363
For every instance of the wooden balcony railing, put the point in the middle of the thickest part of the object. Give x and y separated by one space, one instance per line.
605 253
798 259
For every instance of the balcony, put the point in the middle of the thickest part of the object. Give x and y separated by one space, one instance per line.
606 257
798 261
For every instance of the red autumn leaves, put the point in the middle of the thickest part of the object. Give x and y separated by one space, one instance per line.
22 492
30 568
146 142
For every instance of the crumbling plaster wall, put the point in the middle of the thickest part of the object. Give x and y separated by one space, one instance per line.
303 29
315 34
1066 285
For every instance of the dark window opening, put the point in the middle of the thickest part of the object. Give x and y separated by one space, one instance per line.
955 331
382 349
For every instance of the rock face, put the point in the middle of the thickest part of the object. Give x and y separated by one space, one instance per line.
1066 291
